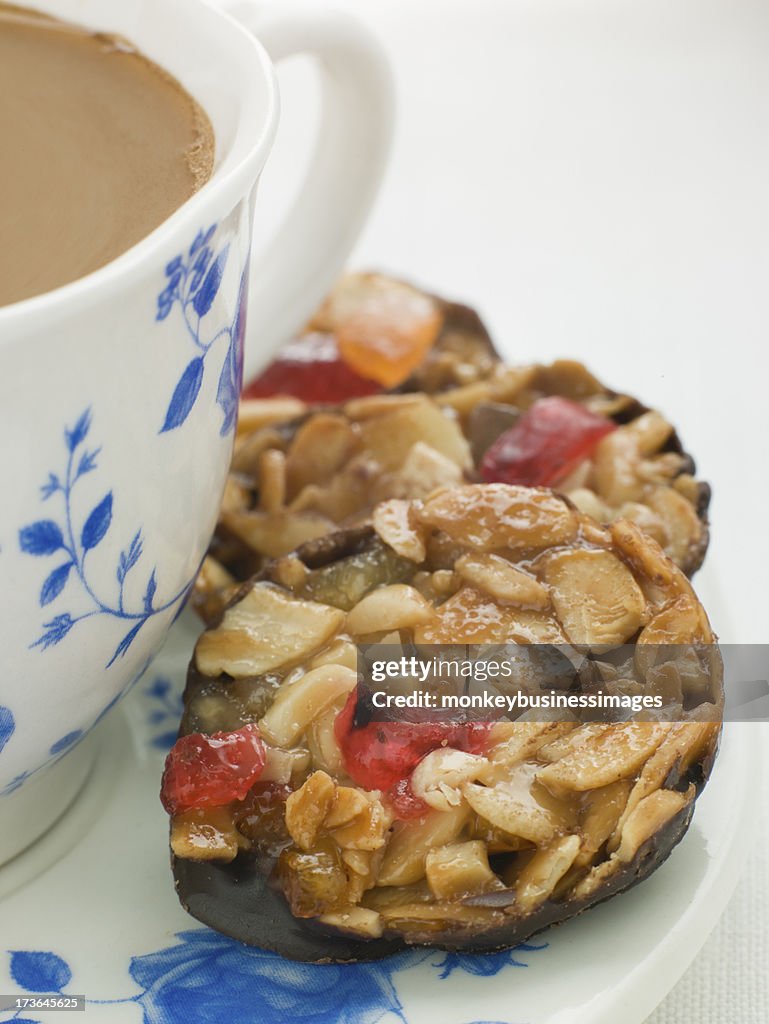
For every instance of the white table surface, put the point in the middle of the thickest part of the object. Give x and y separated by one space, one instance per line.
594 177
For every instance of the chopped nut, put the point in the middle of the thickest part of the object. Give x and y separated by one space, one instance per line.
289 572
460 869
439 775
355 820
307 808
347 496
355 921
282 765
347 804
367 830
206 834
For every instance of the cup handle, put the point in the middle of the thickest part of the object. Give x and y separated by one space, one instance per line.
299 266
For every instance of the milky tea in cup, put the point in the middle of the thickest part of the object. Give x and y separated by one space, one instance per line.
98 146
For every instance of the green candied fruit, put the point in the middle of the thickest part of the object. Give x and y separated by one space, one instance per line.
345 582
314 882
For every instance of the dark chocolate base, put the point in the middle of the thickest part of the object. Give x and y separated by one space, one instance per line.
238 900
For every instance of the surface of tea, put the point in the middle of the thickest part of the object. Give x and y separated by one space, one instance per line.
98 146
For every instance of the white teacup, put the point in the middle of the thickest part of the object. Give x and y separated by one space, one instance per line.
118 392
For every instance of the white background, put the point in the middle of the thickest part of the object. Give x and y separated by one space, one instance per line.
594 177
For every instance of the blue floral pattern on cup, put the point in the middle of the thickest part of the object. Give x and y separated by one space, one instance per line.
71 542
208 977
7 725
164 712
193 281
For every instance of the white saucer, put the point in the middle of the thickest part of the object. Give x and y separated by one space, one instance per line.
91 910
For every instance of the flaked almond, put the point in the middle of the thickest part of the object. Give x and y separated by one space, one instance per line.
396 523
615 468
473 618
397 606
603 810
390 437
322 445
503 581
296 705
272 480
492 517
682 523
650 431
683 621
595 596
604 757
267 629
649 816
512 809
684 743
404 860
423 471
542 873
254 413
278 532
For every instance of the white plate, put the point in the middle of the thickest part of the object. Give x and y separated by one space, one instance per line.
102 919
